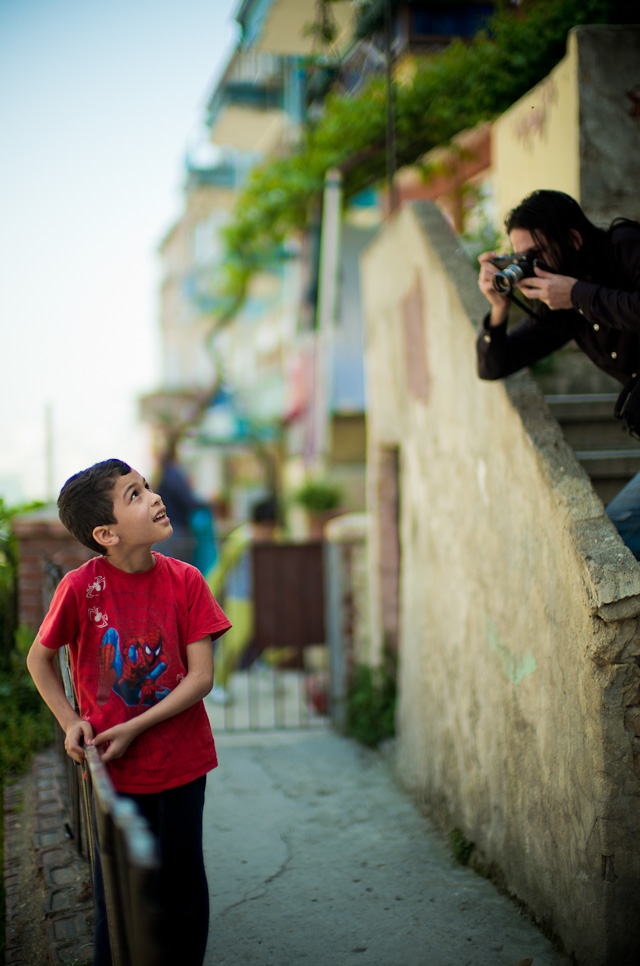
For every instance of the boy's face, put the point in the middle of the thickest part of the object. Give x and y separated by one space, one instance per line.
141 519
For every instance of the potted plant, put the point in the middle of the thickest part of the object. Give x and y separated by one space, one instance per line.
321 500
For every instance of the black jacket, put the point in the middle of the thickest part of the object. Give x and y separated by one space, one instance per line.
604 322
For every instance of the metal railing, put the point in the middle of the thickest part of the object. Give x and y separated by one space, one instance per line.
129 860
128 849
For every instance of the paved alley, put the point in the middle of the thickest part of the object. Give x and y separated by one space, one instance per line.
316 858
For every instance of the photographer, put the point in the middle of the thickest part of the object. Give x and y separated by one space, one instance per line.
585 285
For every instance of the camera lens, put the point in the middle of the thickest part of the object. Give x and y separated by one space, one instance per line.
504 282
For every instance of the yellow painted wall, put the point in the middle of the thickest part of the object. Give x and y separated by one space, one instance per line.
535 144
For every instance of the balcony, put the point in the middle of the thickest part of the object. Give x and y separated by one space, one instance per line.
246 110
282 26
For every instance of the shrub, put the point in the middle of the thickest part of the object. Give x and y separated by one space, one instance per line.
371 702
461 848
8 584
317 495
26 724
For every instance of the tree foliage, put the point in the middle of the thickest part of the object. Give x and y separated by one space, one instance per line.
9 579
452 91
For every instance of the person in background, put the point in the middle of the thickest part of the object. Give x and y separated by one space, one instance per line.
193 538
585 286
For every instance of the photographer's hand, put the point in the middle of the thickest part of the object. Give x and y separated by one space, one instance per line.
554 290
499 303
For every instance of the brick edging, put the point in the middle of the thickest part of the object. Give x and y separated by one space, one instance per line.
67 909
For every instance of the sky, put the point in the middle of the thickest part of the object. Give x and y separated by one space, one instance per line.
100 103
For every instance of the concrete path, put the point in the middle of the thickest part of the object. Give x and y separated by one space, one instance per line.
315 857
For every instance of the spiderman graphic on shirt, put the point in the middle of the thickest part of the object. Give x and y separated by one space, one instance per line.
131 668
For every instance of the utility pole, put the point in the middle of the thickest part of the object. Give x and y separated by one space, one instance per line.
327 312
48 451
391 131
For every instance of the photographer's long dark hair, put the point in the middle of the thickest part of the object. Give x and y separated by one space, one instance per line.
554 214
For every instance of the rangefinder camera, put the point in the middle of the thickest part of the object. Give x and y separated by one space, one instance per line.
511 270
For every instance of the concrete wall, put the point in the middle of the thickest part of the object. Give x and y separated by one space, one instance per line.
578 130
519 715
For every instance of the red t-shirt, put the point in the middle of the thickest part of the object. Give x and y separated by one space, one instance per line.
128 637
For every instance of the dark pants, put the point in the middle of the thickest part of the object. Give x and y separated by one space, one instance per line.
624 512
175 818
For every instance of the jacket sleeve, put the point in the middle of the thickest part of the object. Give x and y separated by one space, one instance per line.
501 352
616 308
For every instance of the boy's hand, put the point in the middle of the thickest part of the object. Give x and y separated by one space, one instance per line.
41 665
116 739
192 688
77 734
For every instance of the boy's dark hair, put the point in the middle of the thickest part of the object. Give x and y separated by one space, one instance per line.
86 500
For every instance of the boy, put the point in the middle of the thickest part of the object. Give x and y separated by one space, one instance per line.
139 627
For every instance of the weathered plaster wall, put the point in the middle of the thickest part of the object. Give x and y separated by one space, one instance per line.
519 644
578 130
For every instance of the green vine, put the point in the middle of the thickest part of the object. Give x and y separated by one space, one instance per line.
449 92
